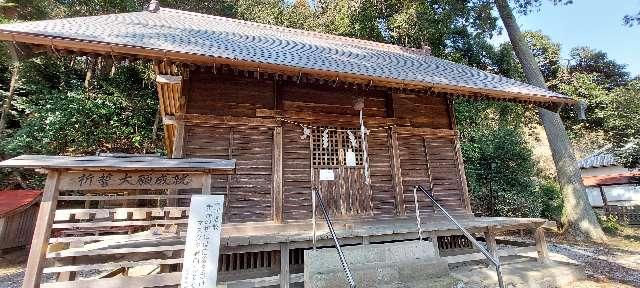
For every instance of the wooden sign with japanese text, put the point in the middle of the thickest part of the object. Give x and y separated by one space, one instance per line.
101 180
202 247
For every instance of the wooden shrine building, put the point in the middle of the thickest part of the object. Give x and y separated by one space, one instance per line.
289 107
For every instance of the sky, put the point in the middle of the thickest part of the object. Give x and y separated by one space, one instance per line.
594 23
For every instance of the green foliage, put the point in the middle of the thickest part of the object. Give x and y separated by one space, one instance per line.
57 115
584 87
499 165
546 52
610 224
621 116
607 72
552 201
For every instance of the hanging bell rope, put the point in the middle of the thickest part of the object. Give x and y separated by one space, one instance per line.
359 105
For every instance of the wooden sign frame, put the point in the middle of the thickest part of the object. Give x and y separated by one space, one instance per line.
104 179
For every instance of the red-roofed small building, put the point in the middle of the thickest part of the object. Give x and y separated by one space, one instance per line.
608 182
18 214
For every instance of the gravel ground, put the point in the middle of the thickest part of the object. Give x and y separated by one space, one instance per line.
616 264
603 263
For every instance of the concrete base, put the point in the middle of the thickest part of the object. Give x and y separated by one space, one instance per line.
376 265
527 273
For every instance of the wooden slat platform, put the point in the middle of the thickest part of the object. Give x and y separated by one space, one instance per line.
300 232
163 248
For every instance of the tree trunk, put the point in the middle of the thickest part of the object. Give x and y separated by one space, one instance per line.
6 106
578 217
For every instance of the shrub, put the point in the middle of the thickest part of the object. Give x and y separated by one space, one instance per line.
552 202
610 224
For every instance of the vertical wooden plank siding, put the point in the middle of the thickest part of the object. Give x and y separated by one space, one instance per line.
249 191
275 168
413 161
445 172
42 231
250 188
383 198
296 174
17 229
277 176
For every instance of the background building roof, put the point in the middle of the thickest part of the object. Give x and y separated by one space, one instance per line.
598 159
245 42
12 200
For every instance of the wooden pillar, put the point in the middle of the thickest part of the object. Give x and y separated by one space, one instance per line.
70 275
206 185
3 226
434 241
42 231
466 201
177 153
490 239
396 172
284 265
277 197
179 140
541 245
605 202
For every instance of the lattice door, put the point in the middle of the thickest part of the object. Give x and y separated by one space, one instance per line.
347 194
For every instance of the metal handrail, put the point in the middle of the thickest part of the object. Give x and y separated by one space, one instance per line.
494 260
343 261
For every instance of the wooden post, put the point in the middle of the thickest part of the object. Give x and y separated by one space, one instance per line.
206 184
396 172
284 265
463 178
541 245
277 196
42 231
179 140
70 275
3 226
177 153
605 202
434 241
490 239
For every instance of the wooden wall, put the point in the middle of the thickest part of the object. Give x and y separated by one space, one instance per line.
17 229
425 159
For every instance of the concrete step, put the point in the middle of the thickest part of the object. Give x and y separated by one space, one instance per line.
527 273
380 274
376 265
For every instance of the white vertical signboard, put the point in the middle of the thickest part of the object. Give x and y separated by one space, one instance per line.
202 247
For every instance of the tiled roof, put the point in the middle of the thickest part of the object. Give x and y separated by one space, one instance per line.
206 35
12 200
598 159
